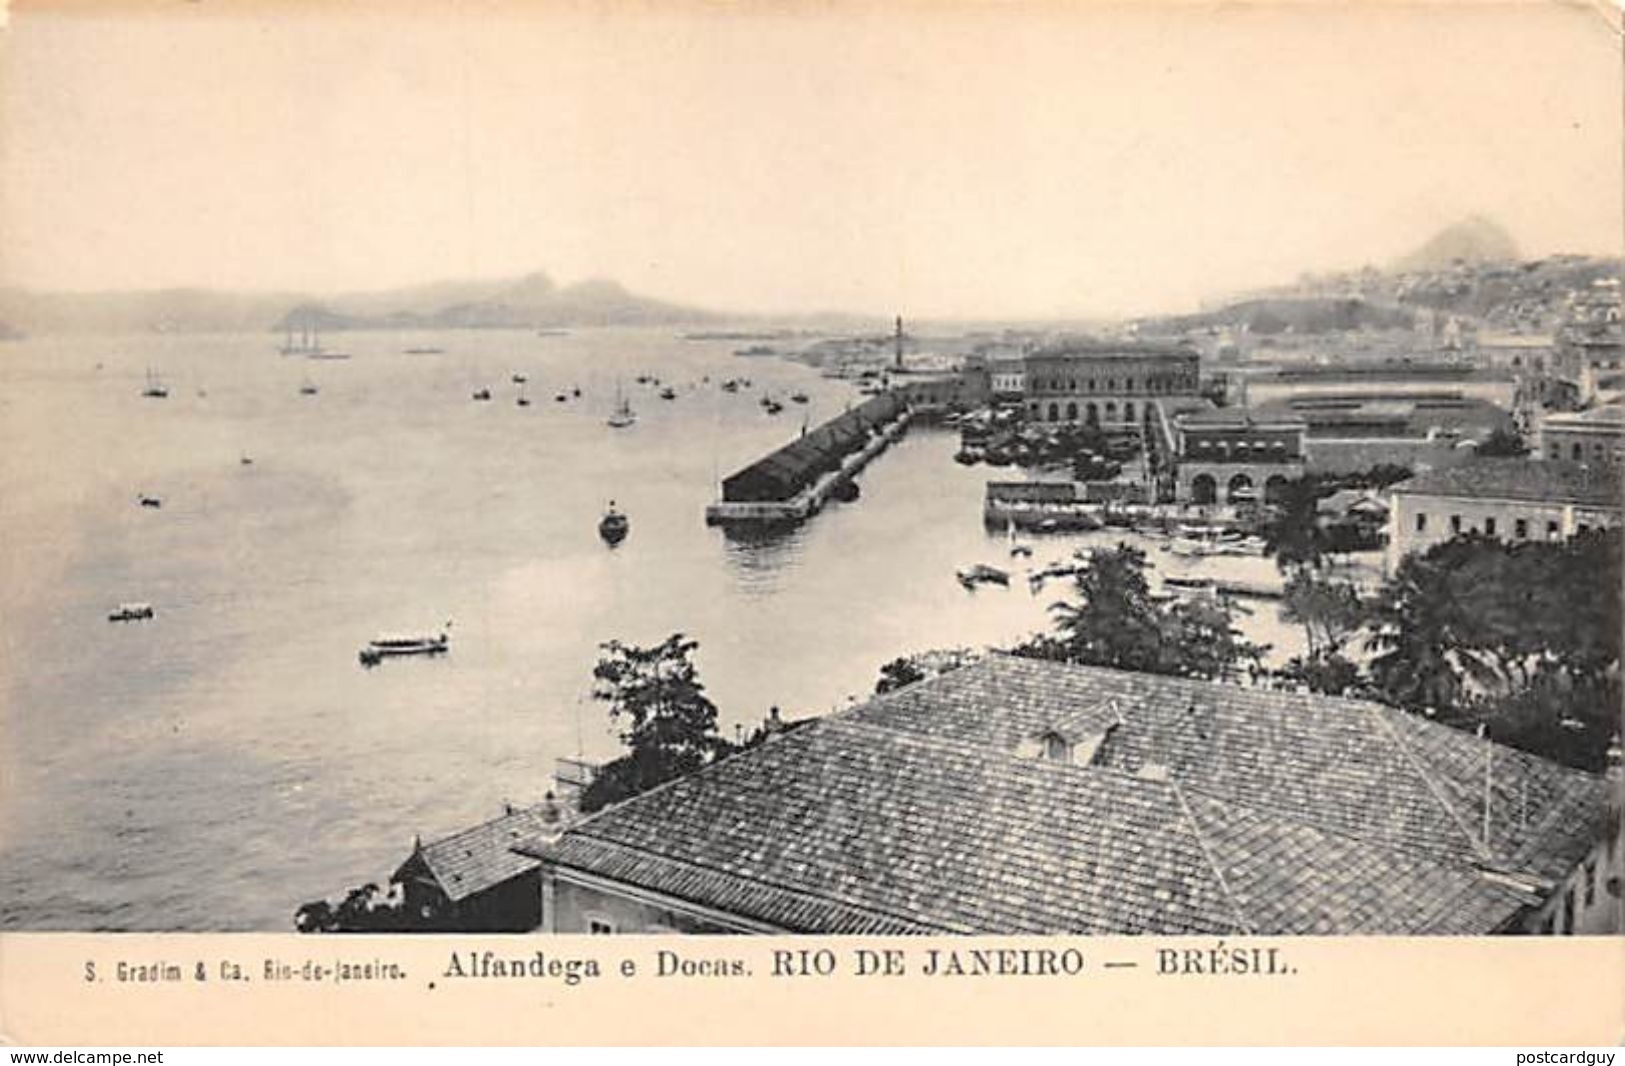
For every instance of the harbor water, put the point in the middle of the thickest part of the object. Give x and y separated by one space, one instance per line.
216 766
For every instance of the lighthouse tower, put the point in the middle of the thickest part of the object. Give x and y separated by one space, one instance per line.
897 344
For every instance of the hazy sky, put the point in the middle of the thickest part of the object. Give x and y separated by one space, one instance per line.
952 160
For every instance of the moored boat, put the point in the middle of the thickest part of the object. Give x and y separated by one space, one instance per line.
982 574
622 416
614 526
130 612
392 645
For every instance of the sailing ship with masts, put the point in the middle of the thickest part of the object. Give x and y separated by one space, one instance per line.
309 340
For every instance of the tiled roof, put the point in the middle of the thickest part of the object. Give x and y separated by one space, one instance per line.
1533 480
1205 808
1240 417
1608 415
479 858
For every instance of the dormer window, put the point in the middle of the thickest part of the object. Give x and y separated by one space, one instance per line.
1056 748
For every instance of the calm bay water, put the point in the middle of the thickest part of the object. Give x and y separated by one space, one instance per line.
215 767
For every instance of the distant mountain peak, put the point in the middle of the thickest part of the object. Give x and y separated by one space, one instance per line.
1475 239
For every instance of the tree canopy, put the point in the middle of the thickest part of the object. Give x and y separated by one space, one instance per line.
1523 637
669 725
1116 622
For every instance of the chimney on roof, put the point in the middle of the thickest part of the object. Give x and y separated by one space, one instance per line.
550 809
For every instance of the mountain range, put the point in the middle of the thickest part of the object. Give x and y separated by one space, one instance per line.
533 300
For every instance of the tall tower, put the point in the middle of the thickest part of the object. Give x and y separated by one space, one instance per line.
897 343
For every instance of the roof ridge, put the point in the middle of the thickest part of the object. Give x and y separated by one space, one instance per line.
1480 847
777 887
1247 926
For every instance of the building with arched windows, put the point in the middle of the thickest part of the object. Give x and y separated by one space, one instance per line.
1234 455
1109 384
1591 438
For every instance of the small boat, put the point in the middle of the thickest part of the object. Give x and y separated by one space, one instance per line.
424 351
308 388
614 526
482 395
245 459
982 574
730 385
560 398
394 645
622 416
156 389
130 612
668 393
576 392
522 400
153 502
772 406
846 490
798 397
519 379
327 354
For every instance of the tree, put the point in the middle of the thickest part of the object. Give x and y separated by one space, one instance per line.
670 725
907 669
1503 443
366 909
1292 533
899 673
1329 611
1522 637
1116 622
1327 673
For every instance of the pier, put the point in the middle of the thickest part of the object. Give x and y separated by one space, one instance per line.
793 483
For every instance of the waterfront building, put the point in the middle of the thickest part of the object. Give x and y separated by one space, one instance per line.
473 881
1509 499
1016 796
1354 432
1594 438
1008 374
1236 455
962 390
798 465
1390 379
1106 383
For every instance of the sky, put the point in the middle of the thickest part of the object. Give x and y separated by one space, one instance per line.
945 159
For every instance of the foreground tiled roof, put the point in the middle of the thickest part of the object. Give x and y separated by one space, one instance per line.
1205 808
479 858
1538 481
